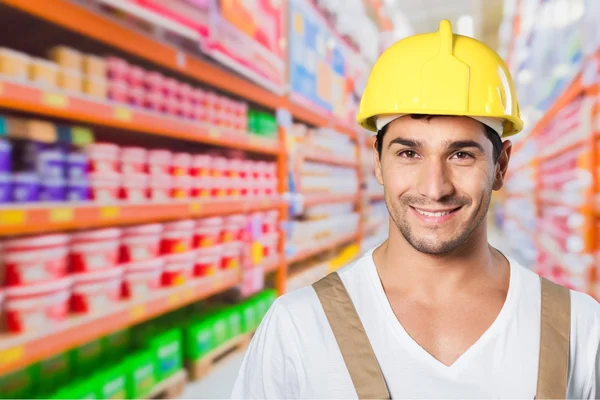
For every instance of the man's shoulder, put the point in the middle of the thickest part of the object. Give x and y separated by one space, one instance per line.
585 310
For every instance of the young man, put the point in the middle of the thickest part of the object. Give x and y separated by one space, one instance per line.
435 311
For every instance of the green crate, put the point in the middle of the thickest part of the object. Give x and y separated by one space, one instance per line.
113 382
117 344
87 357
80 390
54 373
168 353
141 374
234 320
220 329
198 339
250 317
20 384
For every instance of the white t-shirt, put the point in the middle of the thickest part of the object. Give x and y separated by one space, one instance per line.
294 353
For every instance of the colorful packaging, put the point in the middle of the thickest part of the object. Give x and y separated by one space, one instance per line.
220 329
95 250
77 164
5 156
198 339
97 291
105 187
5 188
54 372
168 353
25 187
20 384
141 242
178 269
113 382
141 374
86 358
142 278
14 64
85 389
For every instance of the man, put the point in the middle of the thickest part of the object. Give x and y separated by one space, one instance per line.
435 311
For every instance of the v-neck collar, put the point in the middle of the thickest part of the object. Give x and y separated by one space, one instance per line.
422 354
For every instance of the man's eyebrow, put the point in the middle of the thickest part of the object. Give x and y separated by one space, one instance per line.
406 142
462 144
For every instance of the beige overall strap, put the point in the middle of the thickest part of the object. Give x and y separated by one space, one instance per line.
351 338
555 330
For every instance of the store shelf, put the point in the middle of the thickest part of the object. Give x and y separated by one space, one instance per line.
31 218
327 158
25 98
76 18
317 199
17 351
328 245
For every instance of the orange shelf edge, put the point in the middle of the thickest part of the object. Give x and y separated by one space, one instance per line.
331 244
317 199
31 219
76 18
50 103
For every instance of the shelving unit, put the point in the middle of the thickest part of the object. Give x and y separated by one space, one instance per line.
18 351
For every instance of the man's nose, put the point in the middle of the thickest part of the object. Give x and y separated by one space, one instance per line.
434 180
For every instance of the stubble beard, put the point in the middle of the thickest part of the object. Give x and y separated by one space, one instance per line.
433 246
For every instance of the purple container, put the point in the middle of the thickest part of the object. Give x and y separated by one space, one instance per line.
5 188
54 189
26 187
78 190
77 164
5 151
51 163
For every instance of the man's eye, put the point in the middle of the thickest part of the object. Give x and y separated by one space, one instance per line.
462 155
408 154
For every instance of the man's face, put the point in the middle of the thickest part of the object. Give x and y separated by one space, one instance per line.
438 175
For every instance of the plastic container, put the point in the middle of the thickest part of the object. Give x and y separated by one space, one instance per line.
181 164
5 188
269 244
154 101
159 162
66 57
35 308
53 189
233 227
78 189
141 374
182 187
95 87
142 278
231 258
134 160
97 291
25 187
135 76
160 187
168 353
134 188
35 259
141 243
153 82
5 155
116 68
208 261
201 165
117 91
177 237
135 96
14 64
103 157
178 268
105 188
208 232
94 66
43 72
70 80
76 166
49 163
95 250
169 86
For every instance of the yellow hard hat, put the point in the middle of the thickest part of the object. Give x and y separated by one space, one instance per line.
441 73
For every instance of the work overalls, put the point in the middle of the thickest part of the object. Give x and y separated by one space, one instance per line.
367 376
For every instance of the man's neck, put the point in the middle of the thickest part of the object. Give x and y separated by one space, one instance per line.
402 267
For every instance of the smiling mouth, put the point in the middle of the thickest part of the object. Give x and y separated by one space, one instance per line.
436 214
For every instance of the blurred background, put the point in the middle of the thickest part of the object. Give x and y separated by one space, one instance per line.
168 168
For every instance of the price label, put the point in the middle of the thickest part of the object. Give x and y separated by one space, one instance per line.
12 217
123 114
55 100
81 136
257 253
138 312
61 215
109 212
174 299
188 295
214 133
11 356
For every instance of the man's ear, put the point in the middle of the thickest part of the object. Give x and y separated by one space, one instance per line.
377 158
502 165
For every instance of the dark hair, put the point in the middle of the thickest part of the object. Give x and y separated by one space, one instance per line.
489 132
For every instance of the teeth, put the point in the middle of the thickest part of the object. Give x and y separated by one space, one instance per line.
433 214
